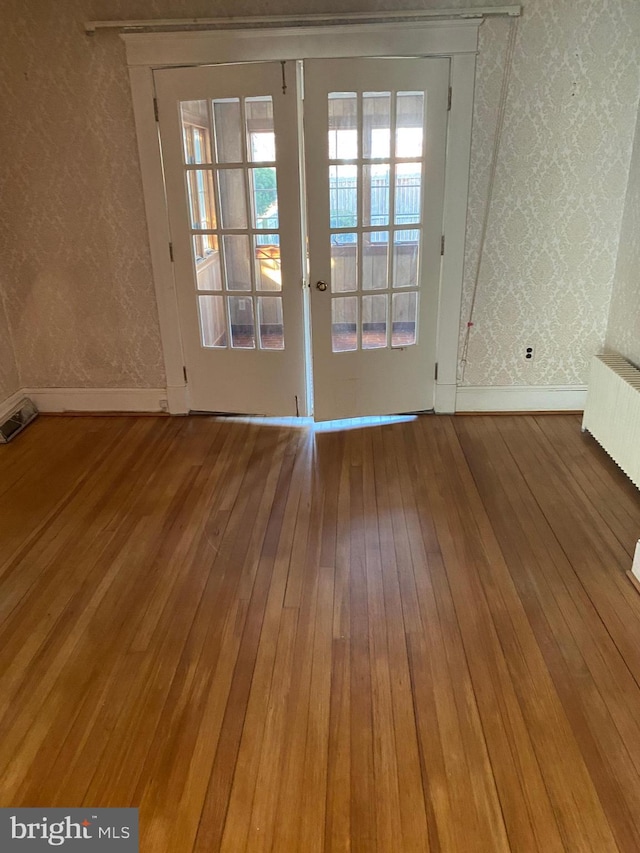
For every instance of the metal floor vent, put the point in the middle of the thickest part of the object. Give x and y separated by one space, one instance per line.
17 420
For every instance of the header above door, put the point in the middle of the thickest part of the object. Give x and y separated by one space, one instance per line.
428 38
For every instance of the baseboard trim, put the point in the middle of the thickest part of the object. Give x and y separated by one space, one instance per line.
521 398
506 398
10 403
98 399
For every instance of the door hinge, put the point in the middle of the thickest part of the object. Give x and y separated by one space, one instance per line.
442 245
171 251
435 372
155 109
450 95
184 373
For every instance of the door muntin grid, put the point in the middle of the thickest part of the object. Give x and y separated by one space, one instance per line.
376 170
229 161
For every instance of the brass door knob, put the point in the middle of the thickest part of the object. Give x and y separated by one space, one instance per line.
321 285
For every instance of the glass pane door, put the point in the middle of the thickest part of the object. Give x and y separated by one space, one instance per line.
374 154
229 137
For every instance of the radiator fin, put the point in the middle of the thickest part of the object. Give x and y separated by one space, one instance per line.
612 411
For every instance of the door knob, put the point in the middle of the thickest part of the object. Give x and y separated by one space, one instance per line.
321 285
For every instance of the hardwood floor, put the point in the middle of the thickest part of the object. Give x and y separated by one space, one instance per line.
415 636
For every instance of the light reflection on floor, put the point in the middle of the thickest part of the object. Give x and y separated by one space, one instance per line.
321 426
360 423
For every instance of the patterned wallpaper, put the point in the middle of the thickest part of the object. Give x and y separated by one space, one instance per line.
9 380
623 331
553 230
80 297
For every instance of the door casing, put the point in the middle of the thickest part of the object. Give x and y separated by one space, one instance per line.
455 39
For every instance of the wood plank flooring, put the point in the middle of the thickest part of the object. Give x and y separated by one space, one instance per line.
409 636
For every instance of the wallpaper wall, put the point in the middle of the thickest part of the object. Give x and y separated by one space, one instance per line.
623 331
80 298
9 380
553 233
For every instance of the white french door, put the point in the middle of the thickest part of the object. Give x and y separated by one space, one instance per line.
374 153
375 136
230 153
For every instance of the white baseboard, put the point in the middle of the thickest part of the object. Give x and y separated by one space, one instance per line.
506 398
10 403
521 398
98 399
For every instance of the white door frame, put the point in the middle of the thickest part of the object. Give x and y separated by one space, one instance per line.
457 39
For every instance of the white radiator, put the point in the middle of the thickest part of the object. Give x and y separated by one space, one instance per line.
612 411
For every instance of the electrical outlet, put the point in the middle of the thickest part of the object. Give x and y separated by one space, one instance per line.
529 354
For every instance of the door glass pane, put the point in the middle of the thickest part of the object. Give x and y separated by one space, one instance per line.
270 322
409 124
261 141
343 196
344 262
233 208
207 261
375 260
201 203
404 320
376 124
212 326
264 197
343 126
344 323
408 192
243 332
226 124
375 181
374 322
196 135
268 263
406 250
237 262
237 274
